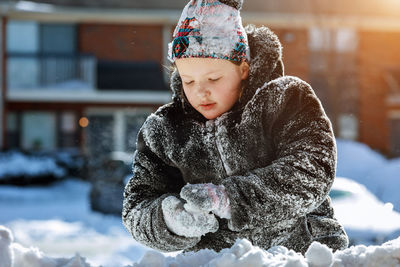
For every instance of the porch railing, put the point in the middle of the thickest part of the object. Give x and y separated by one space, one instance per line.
52 71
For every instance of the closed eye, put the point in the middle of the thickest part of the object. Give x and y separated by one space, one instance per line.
187 83
214 80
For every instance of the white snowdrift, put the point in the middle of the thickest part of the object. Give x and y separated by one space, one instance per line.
361 210
14 255
242 253
379 175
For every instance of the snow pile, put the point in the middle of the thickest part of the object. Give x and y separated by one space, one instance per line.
57 219
16 164
356 160
14 255
362 164
388 254
366 212
6 256
242 253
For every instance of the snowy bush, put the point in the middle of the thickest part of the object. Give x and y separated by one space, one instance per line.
16 167
70 159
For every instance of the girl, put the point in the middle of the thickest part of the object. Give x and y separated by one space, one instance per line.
242 151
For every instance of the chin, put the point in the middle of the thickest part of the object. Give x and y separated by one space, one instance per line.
211 116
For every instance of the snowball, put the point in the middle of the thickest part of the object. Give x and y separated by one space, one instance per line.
319 255
241 247
186 223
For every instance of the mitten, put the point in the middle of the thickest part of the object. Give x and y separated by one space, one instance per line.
207 197
185 223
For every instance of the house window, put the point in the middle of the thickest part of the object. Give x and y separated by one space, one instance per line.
38 130
332 61
69 136
12 130
342 40
60 65
22 37
130 75
133 124
348 127
99 134
45 56
58 38
395 137
346 40
392 78
113 130
320 39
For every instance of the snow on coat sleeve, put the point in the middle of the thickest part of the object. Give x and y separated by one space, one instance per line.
300 176
153 180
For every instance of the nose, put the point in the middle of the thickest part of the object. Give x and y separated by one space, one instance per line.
202 90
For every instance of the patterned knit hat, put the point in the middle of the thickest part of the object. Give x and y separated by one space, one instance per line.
210 29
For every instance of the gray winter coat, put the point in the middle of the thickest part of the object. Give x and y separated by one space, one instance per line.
274 152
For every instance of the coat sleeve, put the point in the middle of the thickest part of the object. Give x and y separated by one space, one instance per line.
299 178
152 181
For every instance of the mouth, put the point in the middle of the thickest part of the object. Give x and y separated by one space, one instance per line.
207 106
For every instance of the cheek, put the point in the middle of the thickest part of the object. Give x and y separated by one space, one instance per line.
231 88
189 94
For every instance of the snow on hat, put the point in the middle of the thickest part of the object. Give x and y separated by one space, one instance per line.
210 29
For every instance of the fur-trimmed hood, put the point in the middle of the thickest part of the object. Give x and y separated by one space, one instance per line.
265 65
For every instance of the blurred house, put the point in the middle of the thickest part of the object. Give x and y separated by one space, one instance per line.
84 74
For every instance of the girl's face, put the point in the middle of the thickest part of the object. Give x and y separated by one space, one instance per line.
212 86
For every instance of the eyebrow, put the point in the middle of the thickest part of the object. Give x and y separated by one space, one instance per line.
218 71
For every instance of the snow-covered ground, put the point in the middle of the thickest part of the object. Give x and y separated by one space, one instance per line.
362 164
366 219
57 219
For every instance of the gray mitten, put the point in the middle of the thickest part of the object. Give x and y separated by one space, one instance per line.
187 223
207 197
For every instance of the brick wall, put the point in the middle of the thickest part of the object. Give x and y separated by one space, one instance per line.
121 42
295 51
377 52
